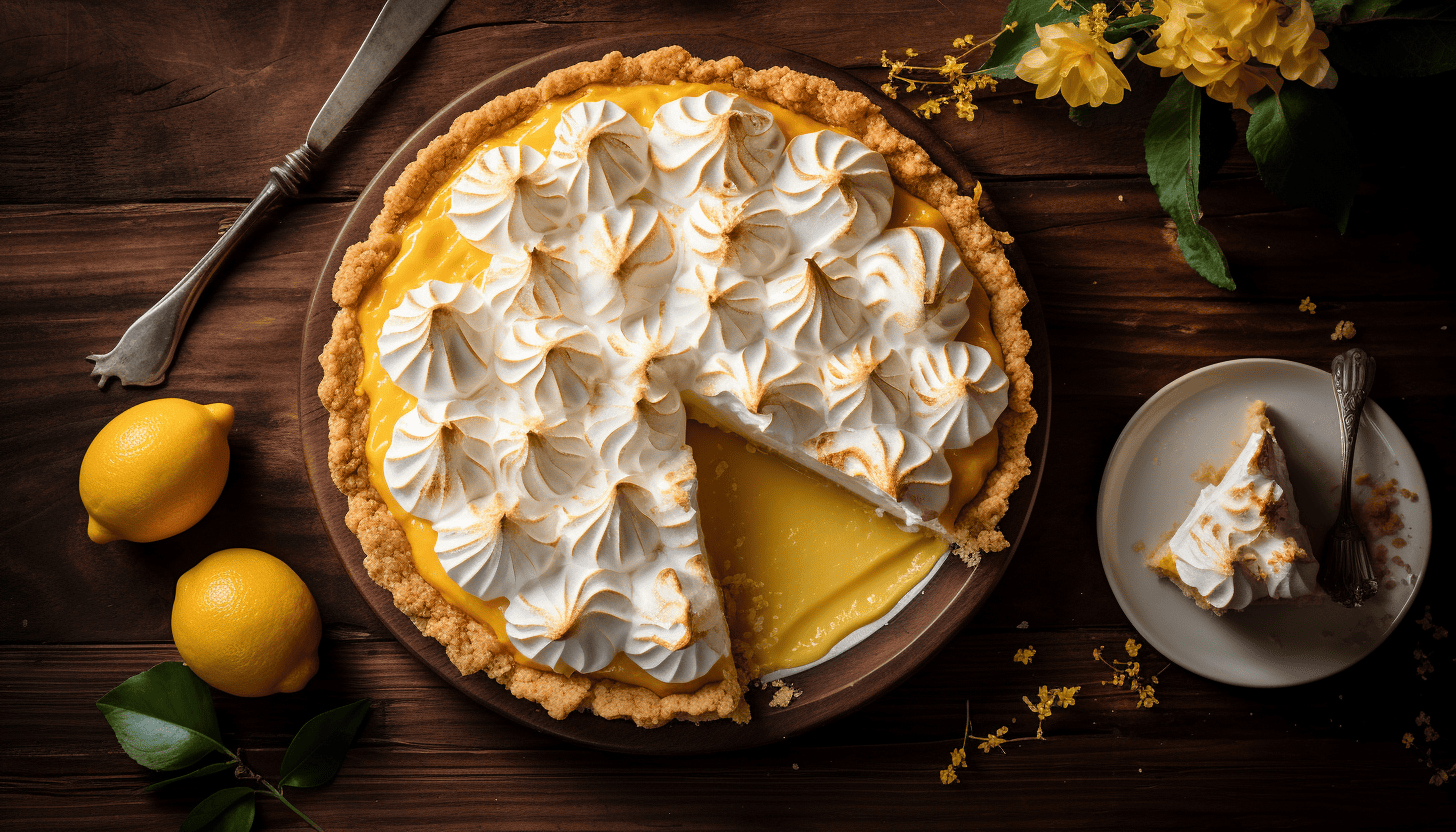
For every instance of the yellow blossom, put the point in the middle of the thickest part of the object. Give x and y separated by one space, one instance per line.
1072 62
1343 329
1279 34
1066 697
1132 648
1307 305
958 756
1024 655
1097 653
1408 740
948 775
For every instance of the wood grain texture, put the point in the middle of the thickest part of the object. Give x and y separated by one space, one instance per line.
130 132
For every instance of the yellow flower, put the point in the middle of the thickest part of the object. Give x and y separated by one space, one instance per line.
1097 653
948 775
1277 34
1067 697
1343 329
1132 648
1024 655
1071 62
1307 305
1408 740
958 756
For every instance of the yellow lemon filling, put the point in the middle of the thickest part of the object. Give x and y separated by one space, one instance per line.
801 563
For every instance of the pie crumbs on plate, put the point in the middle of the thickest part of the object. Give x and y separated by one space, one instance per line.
525 332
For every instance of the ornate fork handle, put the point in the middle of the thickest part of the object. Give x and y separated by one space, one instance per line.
144 353
1354 375
1346 571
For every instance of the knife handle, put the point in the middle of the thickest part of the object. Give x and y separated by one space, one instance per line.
145 351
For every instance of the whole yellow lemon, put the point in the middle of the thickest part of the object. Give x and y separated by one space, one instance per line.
155 470
247 624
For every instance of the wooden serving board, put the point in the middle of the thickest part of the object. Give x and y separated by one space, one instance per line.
829 690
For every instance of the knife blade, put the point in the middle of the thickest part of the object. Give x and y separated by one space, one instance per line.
146 349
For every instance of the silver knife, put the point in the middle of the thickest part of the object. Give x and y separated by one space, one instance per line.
144 353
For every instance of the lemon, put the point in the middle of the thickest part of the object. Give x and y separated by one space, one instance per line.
155 470
247 624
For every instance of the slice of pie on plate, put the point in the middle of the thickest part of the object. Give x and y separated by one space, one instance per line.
561 282
1243 543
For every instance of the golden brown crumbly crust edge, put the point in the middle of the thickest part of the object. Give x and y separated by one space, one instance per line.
470 646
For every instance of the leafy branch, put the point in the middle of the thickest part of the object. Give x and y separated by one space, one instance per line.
164 720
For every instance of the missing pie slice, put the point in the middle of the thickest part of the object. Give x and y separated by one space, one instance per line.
557 285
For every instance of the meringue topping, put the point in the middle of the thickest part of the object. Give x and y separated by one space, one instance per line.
633 272
1243 540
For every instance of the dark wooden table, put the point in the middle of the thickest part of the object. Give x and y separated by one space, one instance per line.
131 133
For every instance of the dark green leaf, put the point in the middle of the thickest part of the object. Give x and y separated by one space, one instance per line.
1395 48
210 768
318 749
1027 14
230 810
163 717
1215 137
1408 9
1304 151
1172 145
1328 11
1126 27
1368 9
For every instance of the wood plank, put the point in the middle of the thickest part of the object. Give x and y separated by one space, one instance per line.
174 101
1203 743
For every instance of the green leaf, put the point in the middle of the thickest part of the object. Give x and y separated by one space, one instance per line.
1303 148
1126 27
163 717
230 810
210 768
317 750
1395 48
1027 15
1328 11
1172 144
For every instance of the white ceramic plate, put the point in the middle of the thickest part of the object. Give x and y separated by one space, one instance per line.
1148 489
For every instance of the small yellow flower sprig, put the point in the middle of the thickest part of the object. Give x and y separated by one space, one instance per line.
946 83
1129 673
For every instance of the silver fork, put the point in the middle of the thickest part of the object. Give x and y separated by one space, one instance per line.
1346 571
145 351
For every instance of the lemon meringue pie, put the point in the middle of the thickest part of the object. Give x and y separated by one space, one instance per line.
557 285
1243 543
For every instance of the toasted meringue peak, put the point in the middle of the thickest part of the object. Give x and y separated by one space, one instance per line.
552 363
500 203
483 549
628 260
888 458
545 461
434 466
571 615
815 307
749 235
913 277
713 143
957 393
741 380
836 192
539 282
599 158
1243 540
859 394
721 308
436 342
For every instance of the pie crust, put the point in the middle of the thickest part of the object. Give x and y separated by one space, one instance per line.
472 647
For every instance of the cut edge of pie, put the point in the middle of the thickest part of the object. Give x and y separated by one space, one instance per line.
389 559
